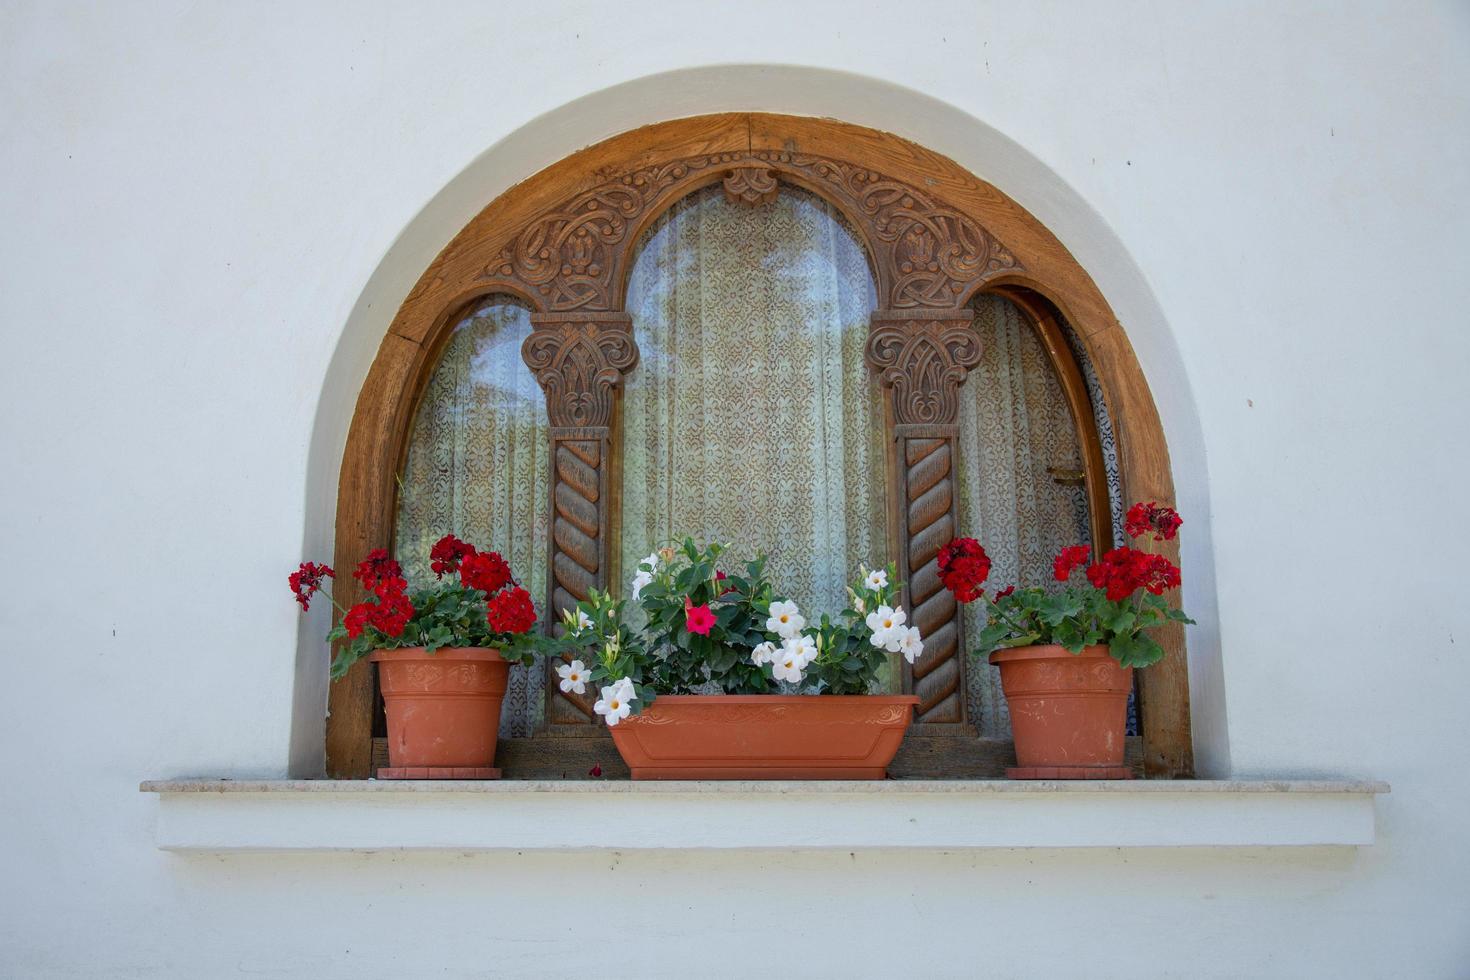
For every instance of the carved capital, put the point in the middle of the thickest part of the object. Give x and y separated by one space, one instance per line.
579 359
923 358
750 185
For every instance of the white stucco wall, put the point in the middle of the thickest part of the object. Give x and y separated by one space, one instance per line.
208 214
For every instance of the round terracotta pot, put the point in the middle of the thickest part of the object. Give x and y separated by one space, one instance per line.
1069 711
443 707
765 736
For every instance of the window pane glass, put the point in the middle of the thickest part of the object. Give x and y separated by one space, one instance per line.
1017 478
751 417
477 468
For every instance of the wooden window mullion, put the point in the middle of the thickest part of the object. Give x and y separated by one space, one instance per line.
920 358
579 360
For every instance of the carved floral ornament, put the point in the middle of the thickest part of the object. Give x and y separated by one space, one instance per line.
750 185
924 359
579 359
928 255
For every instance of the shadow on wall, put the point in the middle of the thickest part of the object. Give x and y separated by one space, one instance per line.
796 90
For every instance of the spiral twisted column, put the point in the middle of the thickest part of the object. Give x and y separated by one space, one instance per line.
579 359
921 358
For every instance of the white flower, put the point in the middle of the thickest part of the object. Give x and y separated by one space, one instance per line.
802 647
784 620
884 618
639 581
877 579
887 627
583 621
909 642
787 667
763 654
614 704
573 677
651 562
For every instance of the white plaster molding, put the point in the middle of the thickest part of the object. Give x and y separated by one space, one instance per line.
211 815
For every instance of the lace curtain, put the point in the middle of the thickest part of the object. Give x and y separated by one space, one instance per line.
751 417
477 468
1014 427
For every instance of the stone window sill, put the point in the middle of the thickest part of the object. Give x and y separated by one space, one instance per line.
220 815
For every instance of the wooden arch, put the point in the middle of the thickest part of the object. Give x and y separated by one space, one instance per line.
564 241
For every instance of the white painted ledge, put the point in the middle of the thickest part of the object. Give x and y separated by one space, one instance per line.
214 815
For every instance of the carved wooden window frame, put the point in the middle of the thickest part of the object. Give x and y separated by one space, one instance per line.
564 241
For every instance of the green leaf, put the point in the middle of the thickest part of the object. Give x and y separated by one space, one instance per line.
991 637
1138 650
1069 636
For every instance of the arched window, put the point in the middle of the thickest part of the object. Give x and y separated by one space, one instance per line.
805 337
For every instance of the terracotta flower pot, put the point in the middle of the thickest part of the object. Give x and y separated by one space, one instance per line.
1068 711
443 711
765 736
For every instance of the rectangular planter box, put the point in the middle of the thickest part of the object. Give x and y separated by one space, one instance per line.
765 736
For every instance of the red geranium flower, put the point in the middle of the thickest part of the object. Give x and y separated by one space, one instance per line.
390 587
1004 592
963 568
377 568
1162 522
1123 571
511 611
447 553
357 618
485 570
698 619
1070 559
391 615
1114 574
1158 574
308 580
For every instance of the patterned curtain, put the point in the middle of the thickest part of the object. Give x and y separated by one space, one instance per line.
751 417
477 468
1016 438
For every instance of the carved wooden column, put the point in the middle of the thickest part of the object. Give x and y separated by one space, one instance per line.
580 360
921 357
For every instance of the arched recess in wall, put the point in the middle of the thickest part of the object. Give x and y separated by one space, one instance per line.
561 243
